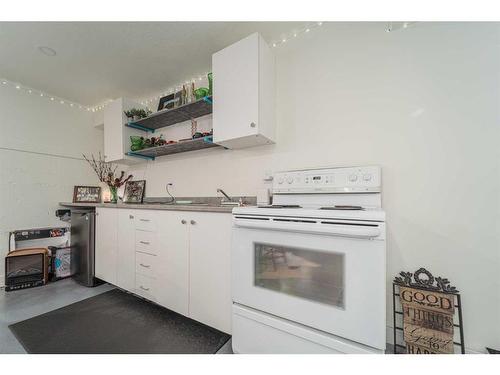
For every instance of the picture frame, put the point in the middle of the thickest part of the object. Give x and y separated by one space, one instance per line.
86 194
134 191
167 102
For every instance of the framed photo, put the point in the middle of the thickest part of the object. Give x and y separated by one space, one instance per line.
167 102
134 191
87 194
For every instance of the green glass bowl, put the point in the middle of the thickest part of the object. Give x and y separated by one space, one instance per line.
137 143
200 92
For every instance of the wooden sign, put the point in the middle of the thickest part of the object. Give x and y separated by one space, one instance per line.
427 316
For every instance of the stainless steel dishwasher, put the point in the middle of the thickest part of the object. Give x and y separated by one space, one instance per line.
83 244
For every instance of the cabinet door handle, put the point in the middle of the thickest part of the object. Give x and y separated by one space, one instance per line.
193 222
252 125
183 221
146 289
144 265
144 220
144 242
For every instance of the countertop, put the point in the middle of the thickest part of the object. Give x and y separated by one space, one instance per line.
155 206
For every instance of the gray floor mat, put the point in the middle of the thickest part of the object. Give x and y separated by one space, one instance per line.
116 322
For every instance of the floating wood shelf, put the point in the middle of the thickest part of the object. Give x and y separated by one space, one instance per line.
168 117
174 148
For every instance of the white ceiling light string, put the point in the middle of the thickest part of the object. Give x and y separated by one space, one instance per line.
178 87
295 34
41 94
60 101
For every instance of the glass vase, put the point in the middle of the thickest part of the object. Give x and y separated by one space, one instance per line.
114 194
210 83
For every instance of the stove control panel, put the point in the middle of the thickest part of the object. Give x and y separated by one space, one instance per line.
328 180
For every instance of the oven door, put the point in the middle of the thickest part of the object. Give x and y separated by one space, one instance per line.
329 275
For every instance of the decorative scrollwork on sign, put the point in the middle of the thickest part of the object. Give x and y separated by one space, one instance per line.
424 279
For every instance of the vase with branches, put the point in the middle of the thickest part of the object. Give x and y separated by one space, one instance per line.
106 173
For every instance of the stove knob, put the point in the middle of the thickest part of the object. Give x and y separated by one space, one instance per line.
353 178
367 177
289 180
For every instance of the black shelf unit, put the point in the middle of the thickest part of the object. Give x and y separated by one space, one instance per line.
168 117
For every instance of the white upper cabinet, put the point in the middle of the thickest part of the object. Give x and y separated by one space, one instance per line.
244 94
116 134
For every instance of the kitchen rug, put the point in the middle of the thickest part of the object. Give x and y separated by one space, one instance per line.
116 322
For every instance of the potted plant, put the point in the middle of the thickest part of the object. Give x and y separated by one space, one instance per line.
106 173
136 114
130 115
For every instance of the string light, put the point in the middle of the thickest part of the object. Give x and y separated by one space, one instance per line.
397 26
41 94
172 89
295 34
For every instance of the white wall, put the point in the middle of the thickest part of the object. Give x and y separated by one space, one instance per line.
424 104
31 184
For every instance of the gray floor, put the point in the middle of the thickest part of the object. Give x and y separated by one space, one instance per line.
25 304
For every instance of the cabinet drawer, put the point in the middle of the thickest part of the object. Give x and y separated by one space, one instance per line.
145 264
146 242
145 287
145 221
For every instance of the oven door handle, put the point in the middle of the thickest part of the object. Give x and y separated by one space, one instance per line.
333 229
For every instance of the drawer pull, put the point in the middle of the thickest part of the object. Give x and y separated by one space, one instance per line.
146 289
144 242
144 265
193 222
130 216
147 220
183 221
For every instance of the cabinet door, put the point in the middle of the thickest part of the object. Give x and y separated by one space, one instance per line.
172 281
125 271
236 76
116 135
210 269
106 244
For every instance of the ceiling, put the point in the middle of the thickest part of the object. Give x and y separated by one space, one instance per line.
99 61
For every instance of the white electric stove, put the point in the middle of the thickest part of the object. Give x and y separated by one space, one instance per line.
308 272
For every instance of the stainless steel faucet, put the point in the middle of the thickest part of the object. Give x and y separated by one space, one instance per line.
229 201
224 193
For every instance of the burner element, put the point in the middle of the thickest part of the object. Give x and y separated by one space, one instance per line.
346 208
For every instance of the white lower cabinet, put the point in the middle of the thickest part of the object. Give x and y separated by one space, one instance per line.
209 269
146 287
180 260
106 244
125 260
173 261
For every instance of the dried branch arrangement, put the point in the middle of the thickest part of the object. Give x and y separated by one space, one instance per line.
106 171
